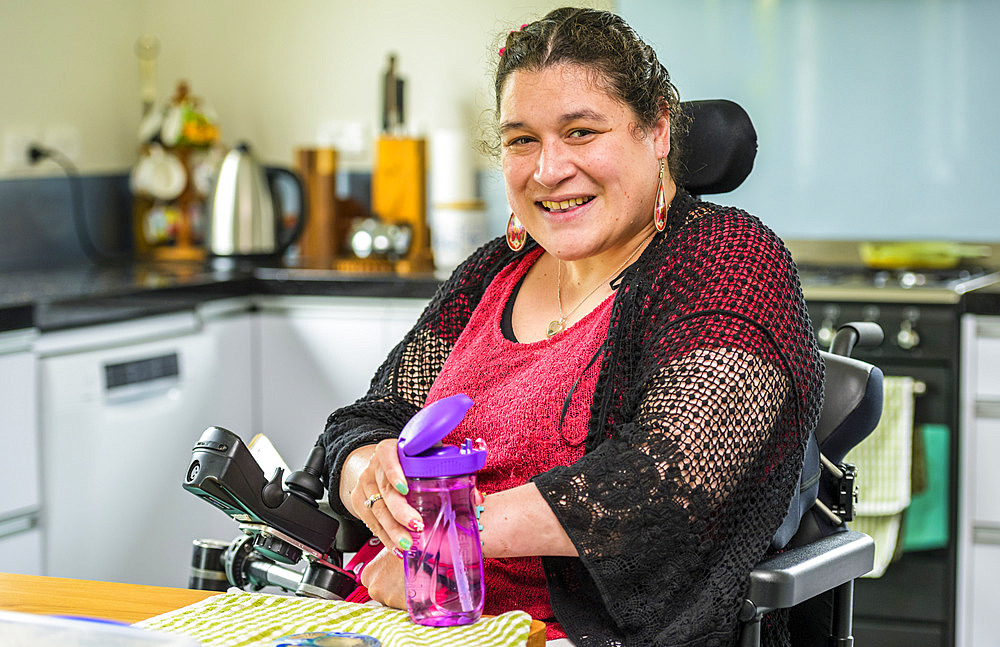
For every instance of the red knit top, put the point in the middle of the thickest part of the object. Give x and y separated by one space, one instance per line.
519 392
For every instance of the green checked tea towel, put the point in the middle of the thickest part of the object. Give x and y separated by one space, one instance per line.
240 619
883 462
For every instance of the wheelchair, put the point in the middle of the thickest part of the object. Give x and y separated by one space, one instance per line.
820 557
816 557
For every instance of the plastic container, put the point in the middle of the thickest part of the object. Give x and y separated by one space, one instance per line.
444 567
326 639
31 630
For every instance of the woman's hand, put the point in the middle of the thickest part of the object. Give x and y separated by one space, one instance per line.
383 577
378 495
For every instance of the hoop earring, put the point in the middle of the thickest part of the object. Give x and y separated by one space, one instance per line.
660 211
517 235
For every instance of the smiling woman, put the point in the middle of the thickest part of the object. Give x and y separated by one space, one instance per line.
643 371
581 175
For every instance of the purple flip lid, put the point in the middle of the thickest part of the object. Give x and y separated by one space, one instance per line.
421 453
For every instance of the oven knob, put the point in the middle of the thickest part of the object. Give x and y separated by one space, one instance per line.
825 334
907 337
871 313
828 328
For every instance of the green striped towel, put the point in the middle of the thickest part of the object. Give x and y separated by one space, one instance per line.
883 460
240 619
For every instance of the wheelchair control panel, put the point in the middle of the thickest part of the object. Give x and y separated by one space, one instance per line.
280 518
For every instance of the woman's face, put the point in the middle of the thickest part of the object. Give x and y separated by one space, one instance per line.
580 173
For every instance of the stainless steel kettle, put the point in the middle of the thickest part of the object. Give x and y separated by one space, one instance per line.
244 214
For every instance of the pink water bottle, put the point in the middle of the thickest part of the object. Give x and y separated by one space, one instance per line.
444 567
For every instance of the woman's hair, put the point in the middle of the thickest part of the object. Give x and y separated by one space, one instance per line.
606 44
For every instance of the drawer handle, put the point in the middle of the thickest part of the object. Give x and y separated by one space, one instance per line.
15 525
987 329
988 409
986 535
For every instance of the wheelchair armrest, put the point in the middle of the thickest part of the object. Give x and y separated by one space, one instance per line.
798 574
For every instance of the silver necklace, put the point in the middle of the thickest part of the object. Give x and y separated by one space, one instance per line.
559 324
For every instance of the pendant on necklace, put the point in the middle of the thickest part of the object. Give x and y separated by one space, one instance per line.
555 326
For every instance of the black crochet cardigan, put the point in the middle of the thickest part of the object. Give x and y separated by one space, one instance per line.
710 381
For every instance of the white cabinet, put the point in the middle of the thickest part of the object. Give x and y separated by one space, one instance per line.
21 548
121 406
318 354
984 625
979 513
985 486
20 538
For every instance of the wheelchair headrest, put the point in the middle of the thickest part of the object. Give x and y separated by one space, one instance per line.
852 404
720 146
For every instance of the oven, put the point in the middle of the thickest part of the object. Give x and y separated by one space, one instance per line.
913 603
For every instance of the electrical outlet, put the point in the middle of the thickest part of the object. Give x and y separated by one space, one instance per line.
348 137
16 141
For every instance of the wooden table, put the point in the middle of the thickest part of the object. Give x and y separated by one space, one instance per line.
116 601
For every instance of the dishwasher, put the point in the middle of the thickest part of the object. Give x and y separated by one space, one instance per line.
121 405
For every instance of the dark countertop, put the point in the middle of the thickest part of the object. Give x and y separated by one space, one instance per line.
62 298
70 297
985 301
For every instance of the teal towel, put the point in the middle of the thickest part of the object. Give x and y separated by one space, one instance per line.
925 525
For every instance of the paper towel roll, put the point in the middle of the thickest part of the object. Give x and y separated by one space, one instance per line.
457 230
453 171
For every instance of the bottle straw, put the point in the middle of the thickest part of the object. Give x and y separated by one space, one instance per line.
423 565
457 563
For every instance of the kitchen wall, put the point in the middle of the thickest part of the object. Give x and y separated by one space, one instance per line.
69 76
875 118
280 74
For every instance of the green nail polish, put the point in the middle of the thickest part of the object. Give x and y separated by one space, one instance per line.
402 488
405 543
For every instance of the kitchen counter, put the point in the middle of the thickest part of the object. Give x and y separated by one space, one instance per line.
71 297
115 601
985 301
105 600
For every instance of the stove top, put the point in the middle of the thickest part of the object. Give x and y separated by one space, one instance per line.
913 286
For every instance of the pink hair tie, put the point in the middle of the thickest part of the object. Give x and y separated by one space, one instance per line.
503 49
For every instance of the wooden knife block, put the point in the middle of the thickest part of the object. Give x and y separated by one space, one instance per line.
399 196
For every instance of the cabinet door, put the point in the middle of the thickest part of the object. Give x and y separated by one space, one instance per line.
18 434
986 503
400 316
987 378
229 340
985 622
21 552
318 354
979 506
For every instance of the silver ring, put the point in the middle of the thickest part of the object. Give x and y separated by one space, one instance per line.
371 500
